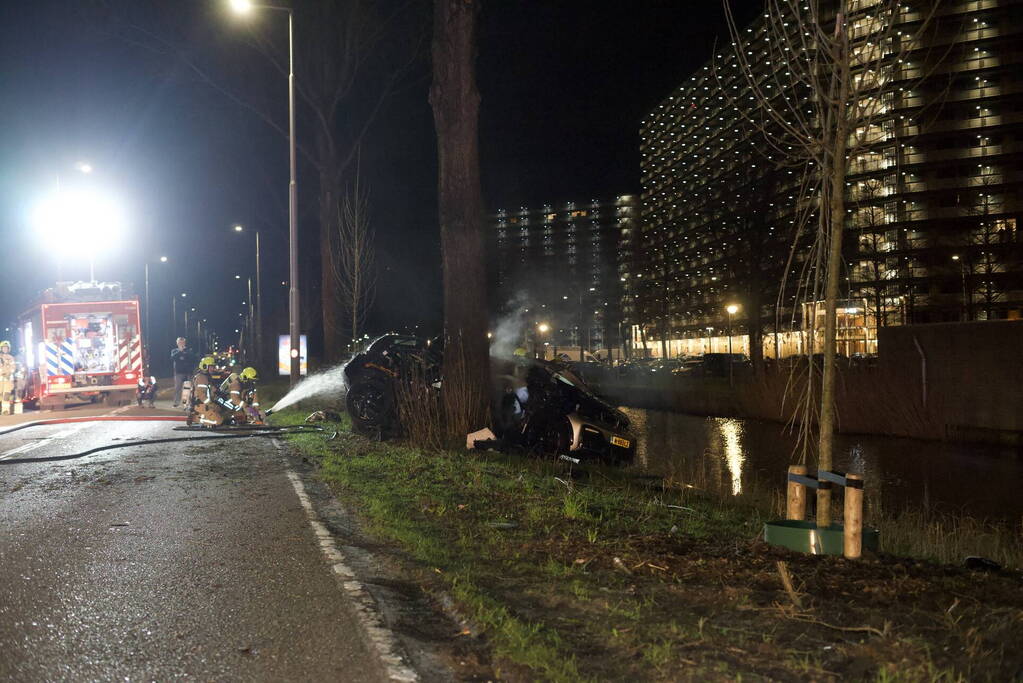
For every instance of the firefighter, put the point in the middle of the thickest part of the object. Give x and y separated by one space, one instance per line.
250 395
204 405
7 370
146 392
239 395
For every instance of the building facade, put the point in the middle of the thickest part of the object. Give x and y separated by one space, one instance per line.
934 195
554 270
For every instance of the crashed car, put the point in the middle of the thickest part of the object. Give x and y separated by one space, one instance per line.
536 405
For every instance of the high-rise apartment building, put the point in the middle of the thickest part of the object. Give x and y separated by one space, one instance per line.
934 228
557 265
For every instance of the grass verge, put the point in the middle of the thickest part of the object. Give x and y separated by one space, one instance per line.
592 574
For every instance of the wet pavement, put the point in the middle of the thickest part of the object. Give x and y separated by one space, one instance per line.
163 561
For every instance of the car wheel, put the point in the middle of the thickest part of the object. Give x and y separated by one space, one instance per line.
370 405
552 437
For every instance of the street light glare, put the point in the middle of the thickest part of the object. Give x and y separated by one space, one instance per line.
64 217
241 6
163 259
84 166
238 228
732 308
543 327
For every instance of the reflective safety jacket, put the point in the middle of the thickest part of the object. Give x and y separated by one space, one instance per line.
202 387
231 390
7 367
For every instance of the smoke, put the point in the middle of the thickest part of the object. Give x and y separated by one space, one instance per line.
509 332
329 384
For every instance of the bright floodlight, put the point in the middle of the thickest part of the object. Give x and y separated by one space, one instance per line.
543 327
163 259
241 6
238 228
86 219
84 166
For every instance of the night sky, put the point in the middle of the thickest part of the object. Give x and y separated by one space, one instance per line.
564 85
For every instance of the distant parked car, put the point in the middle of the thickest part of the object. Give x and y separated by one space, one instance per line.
664 366
717 365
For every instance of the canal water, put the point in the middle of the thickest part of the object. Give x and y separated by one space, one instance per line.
750 458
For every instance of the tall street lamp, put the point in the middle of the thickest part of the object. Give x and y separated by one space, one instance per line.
163 259
966 294
243 7
731 310
258 323
542 328
174 314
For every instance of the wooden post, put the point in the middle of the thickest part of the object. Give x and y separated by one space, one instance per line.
853 522
796 505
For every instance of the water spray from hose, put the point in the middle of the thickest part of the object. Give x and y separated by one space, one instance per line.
329 384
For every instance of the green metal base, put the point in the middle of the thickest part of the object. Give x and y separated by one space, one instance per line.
805 537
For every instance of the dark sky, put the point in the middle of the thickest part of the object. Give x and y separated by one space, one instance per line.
564 84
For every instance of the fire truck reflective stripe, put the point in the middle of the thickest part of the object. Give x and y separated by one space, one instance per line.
52 366
123 360
67 357
136 354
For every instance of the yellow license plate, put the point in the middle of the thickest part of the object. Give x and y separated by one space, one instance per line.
619 441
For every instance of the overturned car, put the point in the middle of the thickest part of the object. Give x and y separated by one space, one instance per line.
536 405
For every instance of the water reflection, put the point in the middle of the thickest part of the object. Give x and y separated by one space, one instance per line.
750 458
730 431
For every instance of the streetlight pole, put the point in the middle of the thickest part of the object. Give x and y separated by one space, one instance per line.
293 312
966 294
730 309
293 299
257 322
149 330
259 306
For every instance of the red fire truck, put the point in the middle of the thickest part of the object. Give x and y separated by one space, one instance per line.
82 341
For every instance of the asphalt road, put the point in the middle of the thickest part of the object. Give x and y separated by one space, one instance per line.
158 562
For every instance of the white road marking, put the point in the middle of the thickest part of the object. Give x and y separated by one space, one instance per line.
33 445
381 637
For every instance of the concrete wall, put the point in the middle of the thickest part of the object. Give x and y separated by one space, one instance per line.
974 372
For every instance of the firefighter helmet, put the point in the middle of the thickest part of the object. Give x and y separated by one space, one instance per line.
520 351
5 343
249 374
207 362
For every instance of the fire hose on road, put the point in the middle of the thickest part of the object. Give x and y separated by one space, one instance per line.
240 432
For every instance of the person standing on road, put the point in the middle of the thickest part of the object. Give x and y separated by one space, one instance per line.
7 369
183 360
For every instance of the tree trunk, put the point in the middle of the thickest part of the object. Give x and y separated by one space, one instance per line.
329 304
836 227
455 102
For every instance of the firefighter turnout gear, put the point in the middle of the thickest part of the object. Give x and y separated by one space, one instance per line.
205 408
8 368
238 394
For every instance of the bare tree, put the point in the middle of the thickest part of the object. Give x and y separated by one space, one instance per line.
817 80
455 100
354 255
